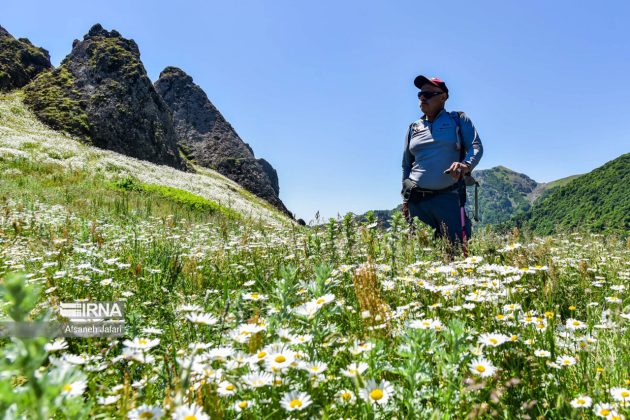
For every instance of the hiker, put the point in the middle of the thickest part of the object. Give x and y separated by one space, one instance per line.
434 164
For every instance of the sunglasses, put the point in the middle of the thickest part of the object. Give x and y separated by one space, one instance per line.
428 95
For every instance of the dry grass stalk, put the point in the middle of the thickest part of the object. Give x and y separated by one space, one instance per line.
367 288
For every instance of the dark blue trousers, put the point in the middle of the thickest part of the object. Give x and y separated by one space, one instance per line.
441 212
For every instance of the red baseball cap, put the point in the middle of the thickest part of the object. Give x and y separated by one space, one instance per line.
435 81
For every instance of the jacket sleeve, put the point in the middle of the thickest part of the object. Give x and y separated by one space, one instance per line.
408 158
472 142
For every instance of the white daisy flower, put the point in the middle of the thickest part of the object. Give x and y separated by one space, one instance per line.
243 333
76 359
279 359
190 412
142 343
56 345
565 360
109 400
620 394
582 401
242 405
151 330
254 296
482 367
542 353
220 353
73 389
145 412
353 370
346 396
359 348
322 300
301 339
295 401
377 393
189 308
226 388
202 318
315 368
574 324
257 380
604 410
492 339
308 309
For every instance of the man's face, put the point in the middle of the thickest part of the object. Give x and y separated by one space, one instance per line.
432 105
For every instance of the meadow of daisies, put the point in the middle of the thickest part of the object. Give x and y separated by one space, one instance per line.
253 317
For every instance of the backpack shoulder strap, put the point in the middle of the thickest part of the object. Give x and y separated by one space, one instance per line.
457 117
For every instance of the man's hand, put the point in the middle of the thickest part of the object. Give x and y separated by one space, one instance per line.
457 170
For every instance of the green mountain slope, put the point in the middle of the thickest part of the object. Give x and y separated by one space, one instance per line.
599 200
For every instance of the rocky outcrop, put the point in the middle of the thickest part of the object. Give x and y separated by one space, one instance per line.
101 93
209 140
20 61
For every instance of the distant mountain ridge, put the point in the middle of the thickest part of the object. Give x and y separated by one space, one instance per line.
597 201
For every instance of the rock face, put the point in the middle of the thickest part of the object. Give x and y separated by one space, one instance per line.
101 93
209 140
20 61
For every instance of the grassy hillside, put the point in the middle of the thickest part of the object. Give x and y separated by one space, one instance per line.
52 167
599 201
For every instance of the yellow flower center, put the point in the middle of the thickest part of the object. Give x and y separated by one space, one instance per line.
493 340
625 394
549 314
142 341
67 387
576 323
320 301
353 372
262 354
193 417
243 404
514 337
376 394
480 368
146 415
500 316
295 404
346 396
230 387
581 401
254 295
280 359
604 412
572 308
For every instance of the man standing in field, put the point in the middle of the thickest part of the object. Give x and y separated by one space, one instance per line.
440 148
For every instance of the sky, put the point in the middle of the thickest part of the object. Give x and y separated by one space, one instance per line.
324 90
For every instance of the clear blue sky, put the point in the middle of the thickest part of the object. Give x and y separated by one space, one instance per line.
323 90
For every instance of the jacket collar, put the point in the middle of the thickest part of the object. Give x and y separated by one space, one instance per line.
442 111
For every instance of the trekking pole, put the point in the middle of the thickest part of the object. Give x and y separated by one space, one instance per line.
464 237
